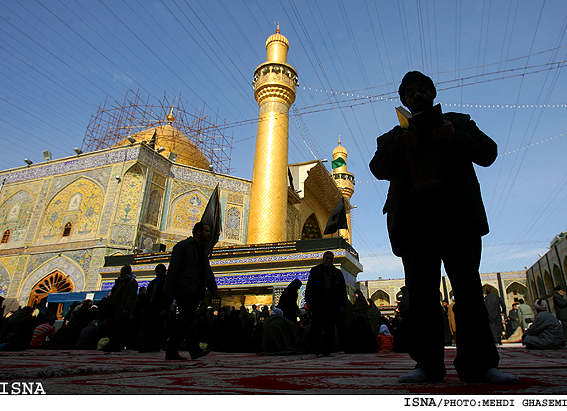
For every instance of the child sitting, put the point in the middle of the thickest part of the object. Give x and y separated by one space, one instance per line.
385 340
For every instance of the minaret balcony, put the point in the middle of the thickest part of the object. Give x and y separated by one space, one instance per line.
275 73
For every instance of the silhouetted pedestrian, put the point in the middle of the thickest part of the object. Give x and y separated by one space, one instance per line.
325 295
120 309
434 198
188 277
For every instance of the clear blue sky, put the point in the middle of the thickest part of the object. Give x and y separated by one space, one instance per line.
500 61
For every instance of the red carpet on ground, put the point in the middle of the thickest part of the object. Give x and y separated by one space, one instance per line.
94 372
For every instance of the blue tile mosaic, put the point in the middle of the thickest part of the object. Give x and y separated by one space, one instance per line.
262 278
275 258
107 286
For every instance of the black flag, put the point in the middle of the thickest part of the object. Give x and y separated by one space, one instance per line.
152 142
338 218
212 218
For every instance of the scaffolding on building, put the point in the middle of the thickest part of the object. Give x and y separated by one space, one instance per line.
112 123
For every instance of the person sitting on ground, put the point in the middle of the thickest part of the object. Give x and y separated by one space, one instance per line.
41 332
288 300
385 340
82 315
71 313
546 332
64 339
279 334
88 338
20 339
11 320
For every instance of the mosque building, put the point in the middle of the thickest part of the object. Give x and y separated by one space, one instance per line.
69 224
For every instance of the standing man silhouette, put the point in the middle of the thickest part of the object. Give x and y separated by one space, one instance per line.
325 295
188 276
435 214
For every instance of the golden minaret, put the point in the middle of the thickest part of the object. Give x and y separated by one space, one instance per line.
274 90
345 181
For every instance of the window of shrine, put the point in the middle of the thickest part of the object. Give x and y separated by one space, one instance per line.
5 237
67 229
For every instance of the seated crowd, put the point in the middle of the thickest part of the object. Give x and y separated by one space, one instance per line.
281 330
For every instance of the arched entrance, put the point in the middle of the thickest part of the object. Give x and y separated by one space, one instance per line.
56 282
515 291
381 298
558 276
492 289
311 228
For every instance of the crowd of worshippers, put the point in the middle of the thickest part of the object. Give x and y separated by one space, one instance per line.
143 319
534 327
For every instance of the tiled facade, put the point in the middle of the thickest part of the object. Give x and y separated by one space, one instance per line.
65 216
112 201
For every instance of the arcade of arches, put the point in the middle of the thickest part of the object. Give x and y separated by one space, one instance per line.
385 293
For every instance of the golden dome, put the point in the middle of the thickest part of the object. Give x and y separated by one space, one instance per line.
174 141
340 149
279 38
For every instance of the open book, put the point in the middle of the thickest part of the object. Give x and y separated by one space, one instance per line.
422 123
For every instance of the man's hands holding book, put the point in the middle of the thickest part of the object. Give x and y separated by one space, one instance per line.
445 132
409 137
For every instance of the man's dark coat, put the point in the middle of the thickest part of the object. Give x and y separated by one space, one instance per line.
495 307
392 162
183 274
314 290
156 299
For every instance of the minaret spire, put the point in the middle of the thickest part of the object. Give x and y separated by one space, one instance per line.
345 182
274 90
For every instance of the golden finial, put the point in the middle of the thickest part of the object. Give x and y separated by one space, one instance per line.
278 28
339 139
170 117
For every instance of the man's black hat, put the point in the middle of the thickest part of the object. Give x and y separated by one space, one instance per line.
410 77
